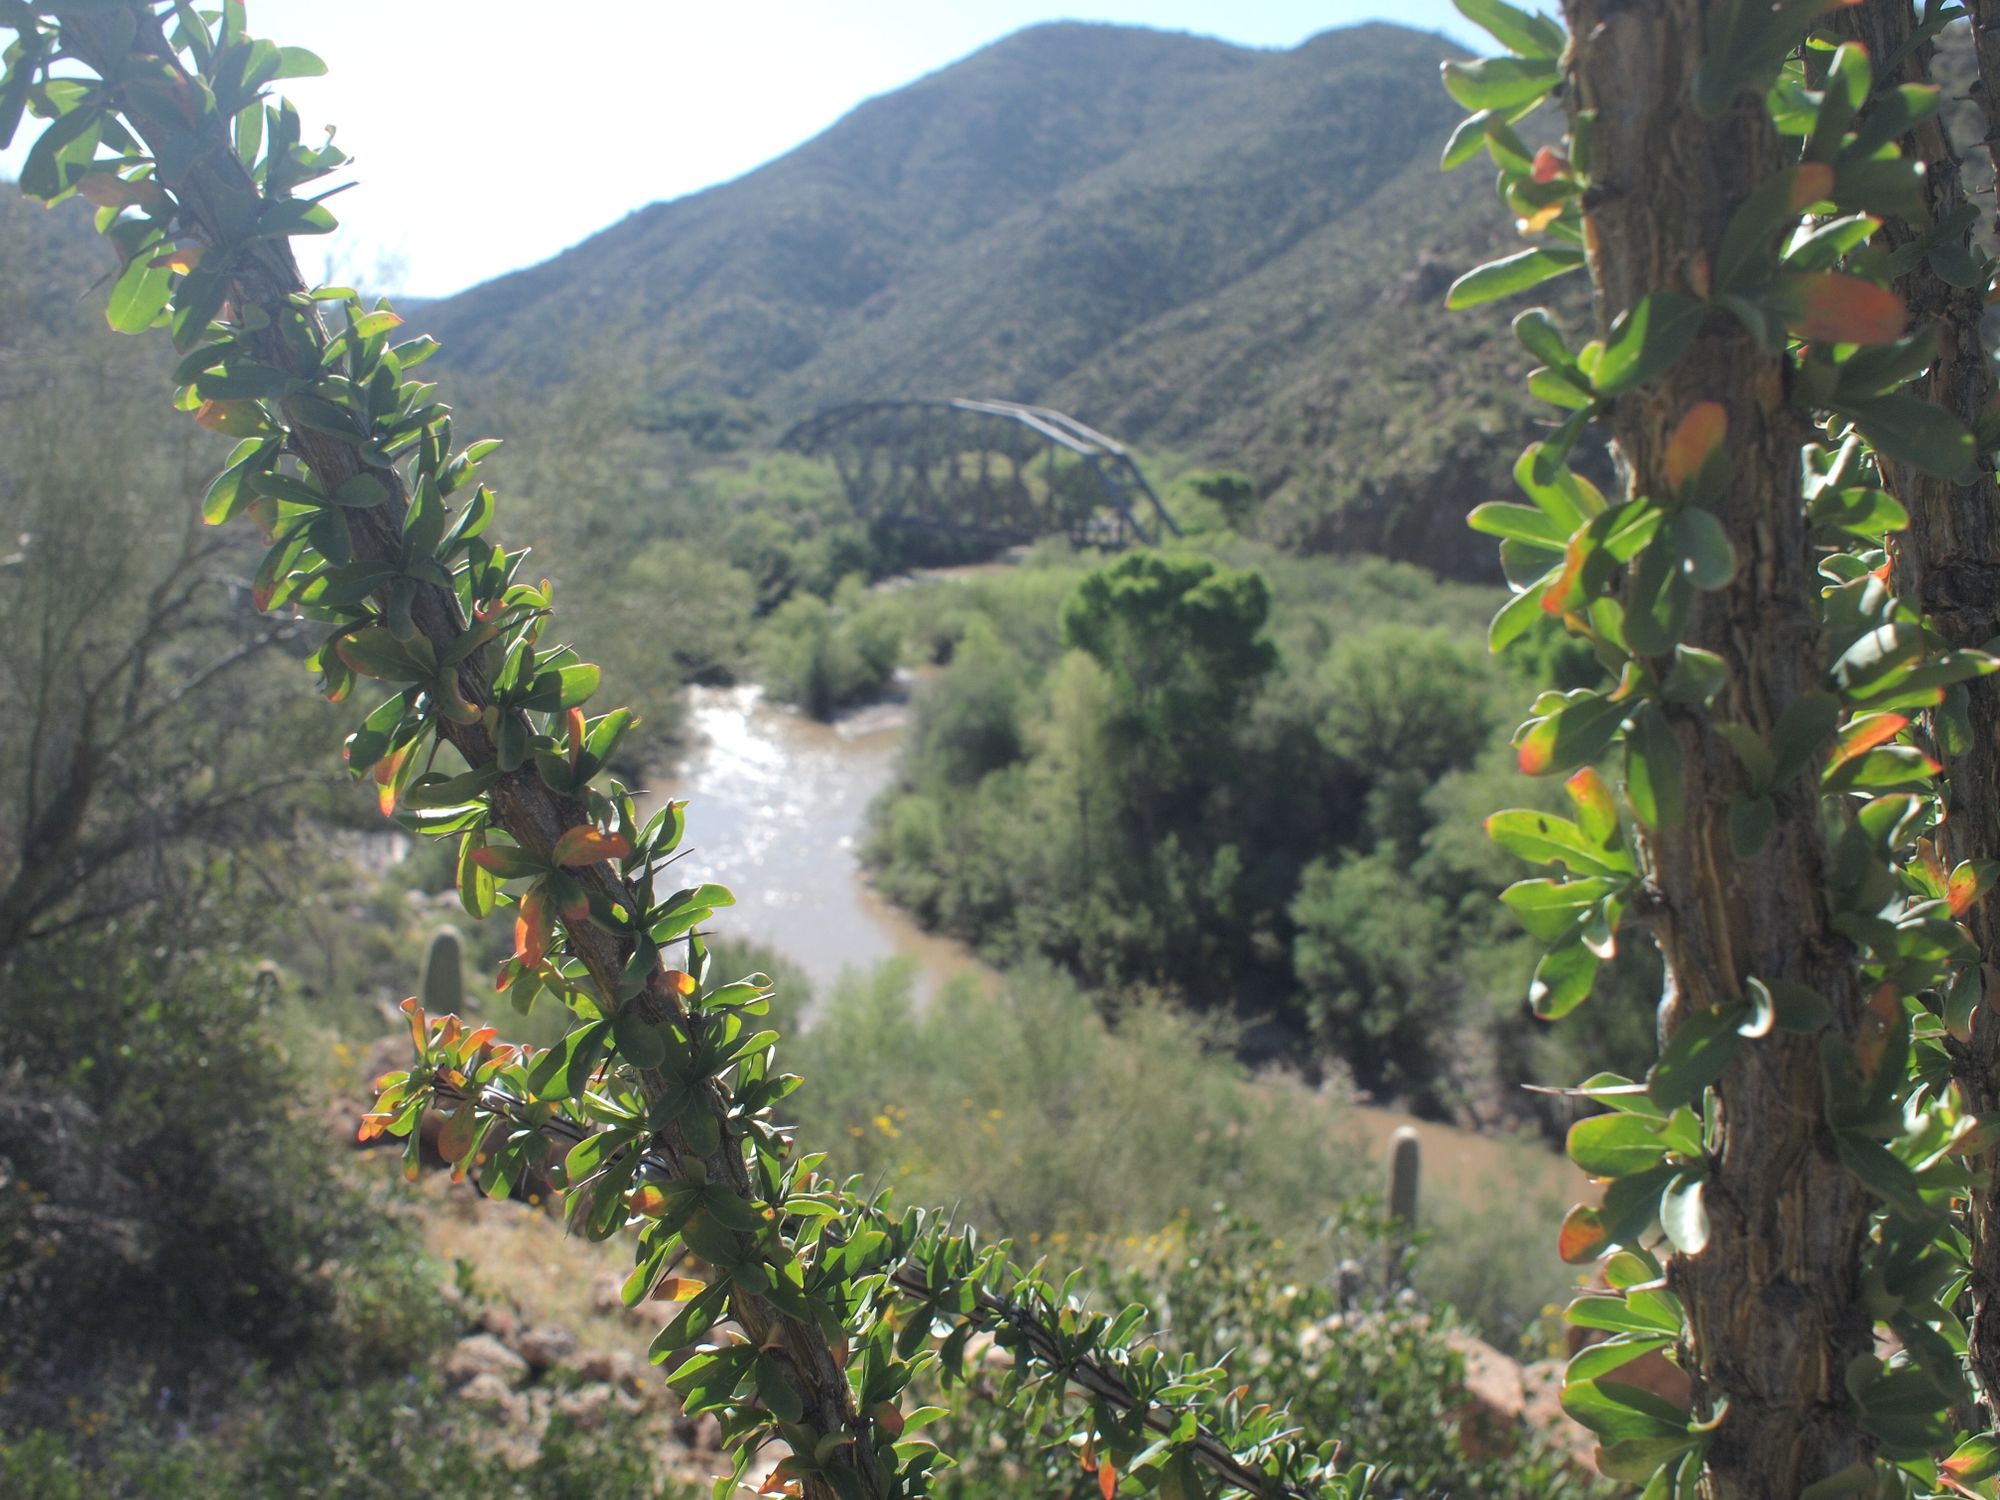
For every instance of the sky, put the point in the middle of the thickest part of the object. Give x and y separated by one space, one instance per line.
487 136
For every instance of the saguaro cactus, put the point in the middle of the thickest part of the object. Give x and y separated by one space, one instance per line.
443 985
1405 1168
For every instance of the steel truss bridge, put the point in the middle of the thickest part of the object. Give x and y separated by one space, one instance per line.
985 471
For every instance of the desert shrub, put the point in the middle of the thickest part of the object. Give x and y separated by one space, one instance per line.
1019 1103
1381 1375
827 656
382 1440
169 1203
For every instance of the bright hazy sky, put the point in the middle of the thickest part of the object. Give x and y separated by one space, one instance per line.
656 99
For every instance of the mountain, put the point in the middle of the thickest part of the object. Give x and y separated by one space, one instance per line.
1239 255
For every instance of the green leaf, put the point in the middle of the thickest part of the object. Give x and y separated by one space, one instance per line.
1909 430
1653 769
1516 273
692 1322
1882 1172
374 652
582 1050
1621 1413
1500 83
640 1043
1466 141
1602 1358
1524 523
1658 601
1867 513
1640 1458
1552 909
1747 43
291 216
139 296
1540 337
1974 1460
1877 370
1750 822
1696 1055
1615 1315
1855 1482
476 885
67 144
1516 617
1516 30
1705 547
1696 677
1805 725
230 493
1544 838
1563 980
1574 735
297 62
1560 388
287 487
1615 1145
1891 188
1564 495
563 688
775 1392
1878 659
1647 340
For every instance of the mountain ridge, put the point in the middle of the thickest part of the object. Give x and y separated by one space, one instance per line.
1237 254
1234 254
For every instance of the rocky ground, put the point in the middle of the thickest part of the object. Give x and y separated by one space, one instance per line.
547 1336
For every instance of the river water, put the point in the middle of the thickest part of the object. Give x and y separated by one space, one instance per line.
777 811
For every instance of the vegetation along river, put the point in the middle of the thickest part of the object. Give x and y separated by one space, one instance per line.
777 811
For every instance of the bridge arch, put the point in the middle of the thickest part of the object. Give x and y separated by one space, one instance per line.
995 472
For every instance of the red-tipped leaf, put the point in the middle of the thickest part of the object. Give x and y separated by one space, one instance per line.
585 845
533 927
1696 437
1836 308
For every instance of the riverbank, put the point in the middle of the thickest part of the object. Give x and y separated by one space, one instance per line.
777 811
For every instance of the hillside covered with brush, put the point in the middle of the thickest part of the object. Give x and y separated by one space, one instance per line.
1235 254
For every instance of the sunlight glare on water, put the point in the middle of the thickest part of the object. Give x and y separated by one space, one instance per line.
777 811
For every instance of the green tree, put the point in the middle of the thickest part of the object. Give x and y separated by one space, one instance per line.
1406 699
1363 957
1182 638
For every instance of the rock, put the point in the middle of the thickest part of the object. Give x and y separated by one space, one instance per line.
702 1434
1490 1417
588 1406
500 1322
491 1391
545 1348
1543 1383
482 1354
616 1368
